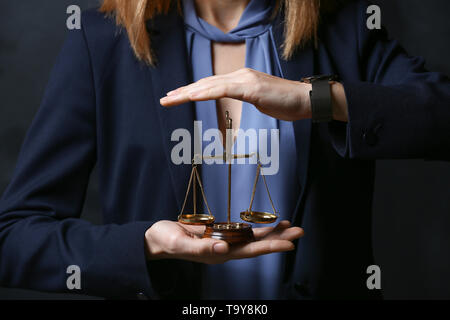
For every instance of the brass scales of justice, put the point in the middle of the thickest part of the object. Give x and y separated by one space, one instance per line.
231 232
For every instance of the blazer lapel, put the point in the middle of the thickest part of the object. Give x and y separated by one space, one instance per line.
171 72
300 65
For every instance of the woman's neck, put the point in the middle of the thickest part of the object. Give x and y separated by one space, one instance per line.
223 14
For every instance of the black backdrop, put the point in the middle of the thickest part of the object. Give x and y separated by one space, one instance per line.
412 197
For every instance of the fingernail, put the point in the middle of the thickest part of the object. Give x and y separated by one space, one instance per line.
220 247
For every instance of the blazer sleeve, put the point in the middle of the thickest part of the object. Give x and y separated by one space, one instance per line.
41 234
397 109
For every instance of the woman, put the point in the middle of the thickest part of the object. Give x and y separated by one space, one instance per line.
111 101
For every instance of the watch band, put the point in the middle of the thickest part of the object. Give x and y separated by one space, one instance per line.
320 95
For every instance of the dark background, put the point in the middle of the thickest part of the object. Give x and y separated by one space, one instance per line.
412 197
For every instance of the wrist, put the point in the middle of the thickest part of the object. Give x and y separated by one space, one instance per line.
306 103
303 101
152 250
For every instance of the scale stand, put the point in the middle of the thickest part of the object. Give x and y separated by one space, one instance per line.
231 232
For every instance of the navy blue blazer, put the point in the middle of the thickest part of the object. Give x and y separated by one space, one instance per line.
102 108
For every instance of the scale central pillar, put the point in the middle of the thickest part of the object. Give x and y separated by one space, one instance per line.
231 232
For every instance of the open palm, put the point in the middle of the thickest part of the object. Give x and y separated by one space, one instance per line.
174 240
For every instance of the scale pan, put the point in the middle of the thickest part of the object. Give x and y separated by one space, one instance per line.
195 219
258 217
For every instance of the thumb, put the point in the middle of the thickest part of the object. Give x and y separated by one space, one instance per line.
203 247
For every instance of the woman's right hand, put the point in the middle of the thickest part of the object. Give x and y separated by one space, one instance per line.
174 240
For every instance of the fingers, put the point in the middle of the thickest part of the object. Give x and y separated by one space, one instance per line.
262 232
269 240
232 85
289 234
257 248
197 84
212 251
214 91
194 248
182 94
205 92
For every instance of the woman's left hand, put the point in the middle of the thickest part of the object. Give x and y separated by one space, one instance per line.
279 98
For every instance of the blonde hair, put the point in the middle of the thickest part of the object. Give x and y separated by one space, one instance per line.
300 26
